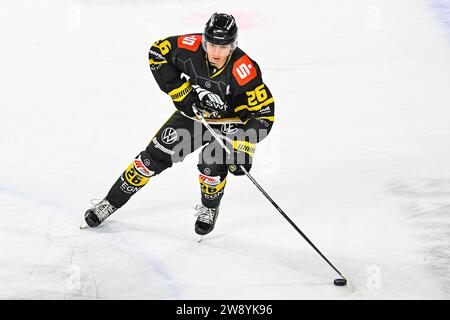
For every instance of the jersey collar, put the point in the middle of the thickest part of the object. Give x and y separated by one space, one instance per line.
218 71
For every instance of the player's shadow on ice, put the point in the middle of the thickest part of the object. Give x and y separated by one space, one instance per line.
116 226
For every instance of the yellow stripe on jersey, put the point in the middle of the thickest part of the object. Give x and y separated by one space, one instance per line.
181 92
220 120
163 46
268 118
272 118
255 108
151 61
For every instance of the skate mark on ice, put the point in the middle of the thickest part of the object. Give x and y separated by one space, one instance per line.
148 259
426 204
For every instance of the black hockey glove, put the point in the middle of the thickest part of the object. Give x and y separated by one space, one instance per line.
237 170
210 103
185 105
241 154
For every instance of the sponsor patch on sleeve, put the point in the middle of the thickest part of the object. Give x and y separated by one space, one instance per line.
190 42
243 70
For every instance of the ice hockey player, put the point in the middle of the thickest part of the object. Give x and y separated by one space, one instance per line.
206 71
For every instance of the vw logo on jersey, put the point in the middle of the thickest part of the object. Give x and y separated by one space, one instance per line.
208 84
229 128
169 135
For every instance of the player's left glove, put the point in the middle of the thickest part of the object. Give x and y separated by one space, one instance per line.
241 154
211 103
237 170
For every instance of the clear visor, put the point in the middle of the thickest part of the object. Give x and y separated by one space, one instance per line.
232 46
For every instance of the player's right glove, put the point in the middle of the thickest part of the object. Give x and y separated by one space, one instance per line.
210 103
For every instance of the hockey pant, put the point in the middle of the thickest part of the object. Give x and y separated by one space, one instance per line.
177 138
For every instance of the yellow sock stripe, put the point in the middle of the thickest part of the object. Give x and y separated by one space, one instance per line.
245 146
206 188
179 93
255 108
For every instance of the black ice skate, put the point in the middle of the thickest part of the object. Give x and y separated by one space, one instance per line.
98 213
206 219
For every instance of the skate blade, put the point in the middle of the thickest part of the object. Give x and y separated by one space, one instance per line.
199 239
83 226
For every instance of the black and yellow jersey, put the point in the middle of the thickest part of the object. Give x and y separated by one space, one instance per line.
179 62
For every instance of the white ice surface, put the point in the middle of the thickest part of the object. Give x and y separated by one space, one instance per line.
359 156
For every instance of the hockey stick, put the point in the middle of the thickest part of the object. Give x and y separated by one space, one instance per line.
338 282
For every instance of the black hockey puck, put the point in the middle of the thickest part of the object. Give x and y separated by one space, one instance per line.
340 282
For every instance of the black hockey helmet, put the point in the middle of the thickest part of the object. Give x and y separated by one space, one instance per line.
221 29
